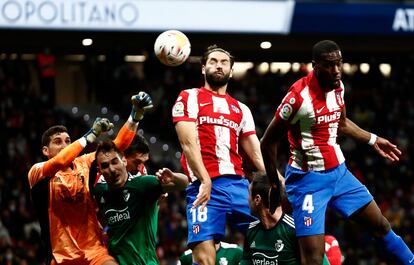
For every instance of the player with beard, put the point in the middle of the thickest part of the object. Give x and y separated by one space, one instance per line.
211 125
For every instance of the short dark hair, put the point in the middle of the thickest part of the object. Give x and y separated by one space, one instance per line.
138 145
324 46
47 135
106 147
261 186
215 48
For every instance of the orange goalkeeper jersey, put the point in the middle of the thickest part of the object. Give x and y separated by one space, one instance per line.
66 211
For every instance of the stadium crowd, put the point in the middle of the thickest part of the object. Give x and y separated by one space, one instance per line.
383 105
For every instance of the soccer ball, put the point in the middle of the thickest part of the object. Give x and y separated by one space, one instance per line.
172 47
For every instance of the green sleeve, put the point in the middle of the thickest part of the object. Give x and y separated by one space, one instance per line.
186 259
238 254
325 260
246 259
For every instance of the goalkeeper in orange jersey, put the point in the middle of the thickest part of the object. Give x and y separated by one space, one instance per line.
71 233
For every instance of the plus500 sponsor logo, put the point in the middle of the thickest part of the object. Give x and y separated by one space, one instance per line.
218 121
329 117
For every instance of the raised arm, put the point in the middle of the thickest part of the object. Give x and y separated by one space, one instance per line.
141 103
381 145
171 181
68 154
269 144
186 131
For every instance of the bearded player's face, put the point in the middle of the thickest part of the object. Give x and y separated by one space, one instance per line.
217 69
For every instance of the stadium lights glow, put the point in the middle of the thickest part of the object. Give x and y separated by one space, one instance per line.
104 110
75 57
263 68
281 67
240 68
153 139
28 56
265 45
86 117
295 67
364 67
309 67
165 147
116 117
177 155
87 42
101 58
75 110
194 59
385 69
135 58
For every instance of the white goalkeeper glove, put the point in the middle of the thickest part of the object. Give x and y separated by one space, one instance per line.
99 126
141 103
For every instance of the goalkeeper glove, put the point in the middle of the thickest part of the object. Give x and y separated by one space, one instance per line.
99 126
141 103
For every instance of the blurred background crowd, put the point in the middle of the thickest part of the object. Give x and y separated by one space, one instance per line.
381 104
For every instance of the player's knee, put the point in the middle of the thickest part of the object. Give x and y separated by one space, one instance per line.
382 228
204 259
204 254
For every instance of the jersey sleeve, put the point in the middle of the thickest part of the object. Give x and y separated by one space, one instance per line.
186 258
247 123
49 168
124 138
186 106
246 257
289 107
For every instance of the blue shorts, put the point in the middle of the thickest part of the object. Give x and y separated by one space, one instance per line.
311 192
229 201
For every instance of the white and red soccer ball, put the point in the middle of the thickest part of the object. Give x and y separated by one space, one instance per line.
172 47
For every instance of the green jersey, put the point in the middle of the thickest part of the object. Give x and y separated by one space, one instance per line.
227 254
275 246
131 214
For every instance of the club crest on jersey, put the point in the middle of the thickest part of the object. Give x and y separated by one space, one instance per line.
178 109
196 229
307 221
223 261
286 111
234 108
126 195
279 245
339 98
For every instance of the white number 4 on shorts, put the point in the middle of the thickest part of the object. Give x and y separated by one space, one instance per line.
308 203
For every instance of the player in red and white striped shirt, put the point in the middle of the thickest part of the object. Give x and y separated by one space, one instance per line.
211 127
312 114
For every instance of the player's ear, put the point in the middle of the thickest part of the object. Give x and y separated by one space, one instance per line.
257 199
45 151
124 161
231 72
313 63
203 69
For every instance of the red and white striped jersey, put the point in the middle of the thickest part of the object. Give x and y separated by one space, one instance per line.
220 121
313 116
